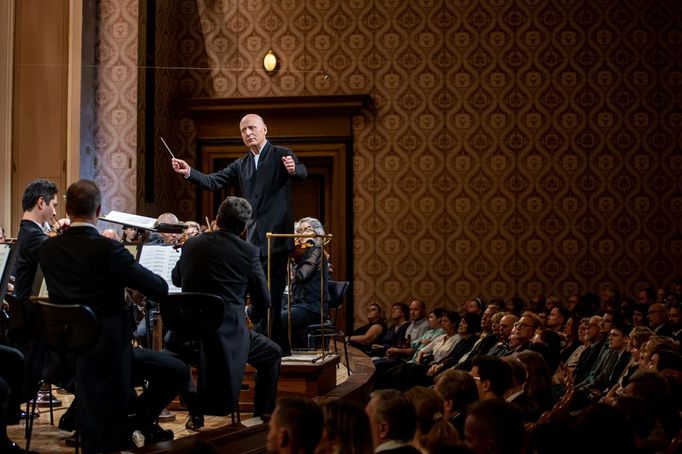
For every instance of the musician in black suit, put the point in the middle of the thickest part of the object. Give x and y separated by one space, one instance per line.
222 263
264 178
83 267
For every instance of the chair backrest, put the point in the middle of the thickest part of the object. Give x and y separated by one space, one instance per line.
337 292
68 328
192 312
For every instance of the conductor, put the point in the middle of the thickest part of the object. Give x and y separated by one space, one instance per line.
264 178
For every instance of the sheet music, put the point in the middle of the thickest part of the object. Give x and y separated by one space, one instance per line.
135 220
5 250
161 260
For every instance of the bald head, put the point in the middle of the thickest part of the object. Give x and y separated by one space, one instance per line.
253 131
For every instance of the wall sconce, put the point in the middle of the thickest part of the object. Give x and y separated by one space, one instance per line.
270 62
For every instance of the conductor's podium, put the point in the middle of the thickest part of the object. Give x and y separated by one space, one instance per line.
300 375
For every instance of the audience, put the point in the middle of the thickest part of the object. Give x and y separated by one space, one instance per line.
346 429
295 426
393 421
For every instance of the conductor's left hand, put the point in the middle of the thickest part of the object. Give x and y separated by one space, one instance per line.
289 164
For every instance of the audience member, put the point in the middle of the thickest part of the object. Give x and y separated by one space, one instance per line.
393 422
433 428
492 375
295 427
494 426
346 429
364 337
458 390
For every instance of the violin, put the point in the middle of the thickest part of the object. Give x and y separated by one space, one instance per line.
57 227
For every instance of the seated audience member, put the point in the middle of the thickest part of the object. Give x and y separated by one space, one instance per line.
310 274
395 334
11 385
458 390
393 422
505 327
346 429
82 267
474 306
468 328
548 343
223 264
538 383
642 421
368 334
388 367
295 426
523 332
516 393
657 315
494 426
433 429
492 376
410 374
653 388
417 327
483 342
664 358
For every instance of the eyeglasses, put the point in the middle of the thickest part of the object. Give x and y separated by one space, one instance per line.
476 378
522 325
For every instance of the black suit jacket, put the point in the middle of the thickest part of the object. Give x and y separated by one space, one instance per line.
224 264
29 241
268 190
83 267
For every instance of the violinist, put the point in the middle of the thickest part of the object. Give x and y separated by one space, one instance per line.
306 260
39 203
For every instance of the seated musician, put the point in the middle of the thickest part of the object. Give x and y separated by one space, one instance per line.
83 267
224 264
306 281
130 235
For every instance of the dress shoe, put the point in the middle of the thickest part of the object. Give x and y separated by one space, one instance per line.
195 422
24 415
156 434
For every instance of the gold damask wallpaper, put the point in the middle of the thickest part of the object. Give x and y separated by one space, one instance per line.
511 147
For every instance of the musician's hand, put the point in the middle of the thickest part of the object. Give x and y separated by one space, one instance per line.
181 167
289 164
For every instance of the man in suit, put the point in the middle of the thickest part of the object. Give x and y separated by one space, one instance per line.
83 267
264 178
392 420
295 427
222 263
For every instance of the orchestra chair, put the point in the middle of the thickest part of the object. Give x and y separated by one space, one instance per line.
337 292
191 314
17 319
68 329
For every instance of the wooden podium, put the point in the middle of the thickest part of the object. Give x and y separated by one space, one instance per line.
303 379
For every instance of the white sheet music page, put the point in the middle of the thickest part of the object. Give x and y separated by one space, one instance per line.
135 220
5 250
161 260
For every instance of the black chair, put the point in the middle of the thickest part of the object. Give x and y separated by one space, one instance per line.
190 314
67 329
337 292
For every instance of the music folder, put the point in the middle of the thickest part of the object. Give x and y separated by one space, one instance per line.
7 256
142 222
160 260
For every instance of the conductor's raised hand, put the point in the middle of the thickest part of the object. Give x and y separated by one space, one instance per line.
289 164
180 167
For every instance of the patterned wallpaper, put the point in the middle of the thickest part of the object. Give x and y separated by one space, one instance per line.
512 147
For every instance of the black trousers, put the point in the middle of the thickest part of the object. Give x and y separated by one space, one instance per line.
265 356
278 280
11 384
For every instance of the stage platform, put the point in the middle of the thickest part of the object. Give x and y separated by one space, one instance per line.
219 432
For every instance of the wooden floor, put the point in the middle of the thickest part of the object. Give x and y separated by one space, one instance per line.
48 439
